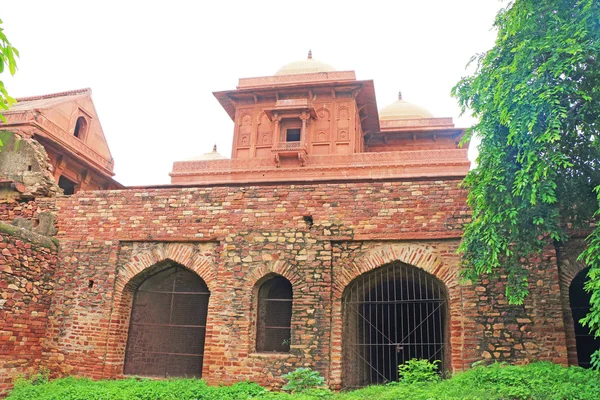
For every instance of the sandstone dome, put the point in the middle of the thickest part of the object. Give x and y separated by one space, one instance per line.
213 155
308 66
401 109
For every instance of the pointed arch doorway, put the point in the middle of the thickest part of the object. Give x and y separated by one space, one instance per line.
392 314
168 325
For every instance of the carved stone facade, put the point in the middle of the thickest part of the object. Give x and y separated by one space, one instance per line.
76 155
324 125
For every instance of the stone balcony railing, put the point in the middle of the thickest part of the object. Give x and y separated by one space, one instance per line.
289 146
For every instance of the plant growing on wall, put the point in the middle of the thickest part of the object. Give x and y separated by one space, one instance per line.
536 94
303 379
8 55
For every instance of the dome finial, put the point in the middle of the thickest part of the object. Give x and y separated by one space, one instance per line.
399 95
215 148
310 54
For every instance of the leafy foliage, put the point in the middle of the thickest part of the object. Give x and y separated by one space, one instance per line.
416 370
303 379
8 56
534 381
536 94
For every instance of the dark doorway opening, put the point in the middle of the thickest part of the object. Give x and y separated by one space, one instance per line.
67 185
580 306
391 315
168 325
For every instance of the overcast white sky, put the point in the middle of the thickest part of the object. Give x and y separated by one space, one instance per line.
153 65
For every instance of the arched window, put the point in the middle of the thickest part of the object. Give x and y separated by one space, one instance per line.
80 128
580 306
168 325
392 314
273 331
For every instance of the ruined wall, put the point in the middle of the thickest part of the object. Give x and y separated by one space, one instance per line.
27 264
19 209
318 236
24 162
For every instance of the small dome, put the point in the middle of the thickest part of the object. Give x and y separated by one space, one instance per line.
400 109
213 155
308 66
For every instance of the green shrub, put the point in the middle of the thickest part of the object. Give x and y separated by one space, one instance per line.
416 370
302 379
537 381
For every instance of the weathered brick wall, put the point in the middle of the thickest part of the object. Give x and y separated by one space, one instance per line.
520 333
24 209
569 267
27 209
234 236
27 264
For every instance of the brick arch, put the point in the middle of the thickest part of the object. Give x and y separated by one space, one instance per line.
568 270
278 267
420 256
141 264
184 254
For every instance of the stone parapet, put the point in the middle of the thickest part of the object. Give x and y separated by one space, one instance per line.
405 164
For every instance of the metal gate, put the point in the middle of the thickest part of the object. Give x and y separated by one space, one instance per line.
168 325
391 315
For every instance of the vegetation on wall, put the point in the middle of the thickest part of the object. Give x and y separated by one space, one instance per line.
8 56
536 94
533 381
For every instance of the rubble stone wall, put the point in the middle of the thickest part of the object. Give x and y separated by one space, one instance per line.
27 266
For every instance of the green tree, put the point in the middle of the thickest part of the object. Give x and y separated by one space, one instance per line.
8 56
536 95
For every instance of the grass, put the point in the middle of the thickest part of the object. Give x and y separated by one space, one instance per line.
541 381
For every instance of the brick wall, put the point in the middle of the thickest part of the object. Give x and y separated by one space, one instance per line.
234 236
27 263
520 333
23 209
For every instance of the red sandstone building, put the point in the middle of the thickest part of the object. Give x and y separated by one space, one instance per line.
327 240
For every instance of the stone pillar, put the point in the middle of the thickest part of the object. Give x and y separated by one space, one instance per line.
276 119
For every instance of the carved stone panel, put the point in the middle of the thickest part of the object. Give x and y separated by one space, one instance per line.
265 130
245 130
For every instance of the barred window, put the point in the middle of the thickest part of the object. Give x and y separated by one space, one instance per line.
274 315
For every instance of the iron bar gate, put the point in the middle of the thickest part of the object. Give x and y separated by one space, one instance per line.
391 315
168 325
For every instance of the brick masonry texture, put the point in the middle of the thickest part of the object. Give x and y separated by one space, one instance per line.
26 287
24 209
234 236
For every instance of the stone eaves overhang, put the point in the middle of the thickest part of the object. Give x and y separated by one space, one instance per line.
255 89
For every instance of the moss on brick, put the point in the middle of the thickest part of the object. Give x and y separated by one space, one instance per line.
28 236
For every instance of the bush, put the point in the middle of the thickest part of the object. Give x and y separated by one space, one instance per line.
303 379
415 370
